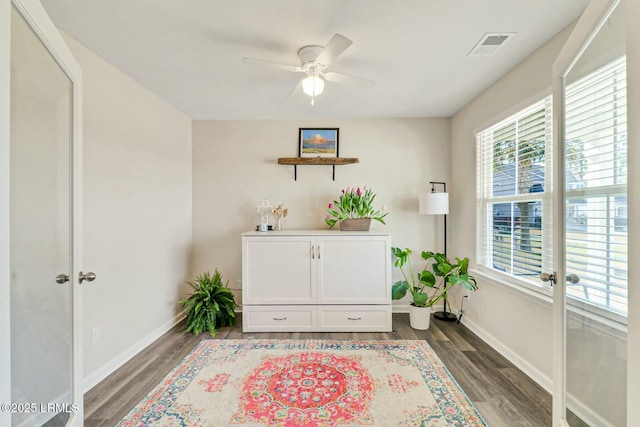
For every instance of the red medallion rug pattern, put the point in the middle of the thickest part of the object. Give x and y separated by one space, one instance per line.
307 383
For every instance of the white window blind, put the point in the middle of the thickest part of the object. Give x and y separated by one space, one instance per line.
596 187
514 187
514 167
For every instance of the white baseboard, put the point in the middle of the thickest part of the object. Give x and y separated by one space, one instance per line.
532 372
40 417
580 409
535 374
400 308
95 377
404 308
35 419
586 414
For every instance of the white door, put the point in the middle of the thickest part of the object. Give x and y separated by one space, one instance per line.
590 299
44 222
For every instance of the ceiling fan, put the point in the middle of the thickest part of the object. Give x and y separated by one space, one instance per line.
314 60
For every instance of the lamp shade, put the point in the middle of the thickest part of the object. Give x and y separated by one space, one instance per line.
434 203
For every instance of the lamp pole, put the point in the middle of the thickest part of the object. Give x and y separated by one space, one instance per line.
444 314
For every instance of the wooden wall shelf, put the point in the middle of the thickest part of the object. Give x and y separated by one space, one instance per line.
317 160
323 161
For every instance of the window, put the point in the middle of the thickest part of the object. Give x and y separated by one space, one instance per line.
514 167
514 184
596 187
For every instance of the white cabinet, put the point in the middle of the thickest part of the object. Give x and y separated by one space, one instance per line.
313 280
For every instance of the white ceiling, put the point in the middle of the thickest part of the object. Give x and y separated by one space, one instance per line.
190 52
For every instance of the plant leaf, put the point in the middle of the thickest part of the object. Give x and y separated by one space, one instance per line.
420 299
427 278
399 289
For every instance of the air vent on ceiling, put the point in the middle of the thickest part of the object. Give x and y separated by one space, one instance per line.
490 43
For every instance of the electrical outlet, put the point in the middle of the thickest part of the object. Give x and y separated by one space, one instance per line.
239 284
95 335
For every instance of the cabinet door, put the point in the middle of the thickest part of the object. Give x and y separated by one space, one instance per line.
278 270
354 270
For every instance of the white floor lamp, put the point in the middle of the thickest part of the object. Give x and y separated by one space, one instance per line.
435 203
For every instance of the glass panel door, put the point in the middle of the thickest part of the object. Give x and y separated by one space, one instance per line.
41 260
595 229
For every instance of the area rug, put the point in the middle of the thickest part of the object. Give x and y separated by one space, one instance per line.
307 383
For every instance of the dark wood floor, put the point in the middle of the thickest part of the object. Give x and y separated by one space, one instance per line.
502 393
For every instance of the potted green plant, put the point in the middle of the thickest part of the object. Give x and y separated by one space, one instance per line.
429 285
354 210
211 305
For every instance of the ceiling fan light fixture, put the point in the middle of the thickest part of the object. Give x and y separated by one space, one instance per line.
314 60
313 85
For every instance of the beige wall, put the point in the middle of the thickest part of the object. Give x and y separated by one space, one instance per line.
138 206
234 167
501 316
137 213
516 324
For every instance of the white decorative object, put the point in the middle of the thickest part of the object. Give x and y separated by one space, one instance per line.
264 208
316 280
280 212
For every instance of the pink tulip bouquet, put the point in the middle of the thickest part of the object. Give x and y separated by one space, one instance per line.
354 203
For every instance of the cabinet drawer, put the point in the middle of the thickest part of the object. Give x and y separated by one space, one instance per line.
278 318
354 318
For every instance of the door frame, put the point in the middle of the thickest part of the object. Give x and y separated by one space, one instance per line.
36 16
5 268
583 33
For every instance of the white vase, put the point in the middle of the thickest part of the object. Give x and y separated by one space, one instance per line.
419 317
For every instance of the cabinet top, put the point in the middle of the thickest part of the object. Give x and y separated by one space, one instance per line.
315 233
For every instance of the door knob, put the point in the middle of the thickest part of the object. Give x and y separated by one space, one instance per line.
573 279
546 277
62 278
89 277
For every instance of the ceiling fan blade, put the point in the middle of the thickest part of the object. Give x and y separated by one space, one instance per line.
349 80
297 92
287 67
335 47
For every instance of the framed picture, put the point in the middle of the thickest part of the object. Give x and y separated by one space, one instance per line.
318 142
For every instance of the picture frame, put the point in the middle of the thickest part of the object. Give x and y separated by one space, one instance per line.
318 142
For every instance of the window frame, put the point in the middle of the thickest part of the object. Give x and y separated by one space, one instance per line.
599 90
535 291
485 199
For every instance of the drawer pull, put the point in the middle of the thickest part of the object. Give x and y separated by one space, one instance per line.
313 252
279 318
354 318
